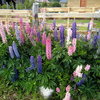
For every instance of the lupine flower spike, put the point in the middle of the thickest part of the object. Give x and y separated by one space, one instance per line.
39 61
48 48
15 49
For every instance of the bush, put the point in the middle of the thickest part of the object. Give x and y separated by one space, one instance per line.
55 4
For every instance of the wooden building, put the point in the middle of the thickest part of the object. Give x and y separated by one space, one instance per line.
83 3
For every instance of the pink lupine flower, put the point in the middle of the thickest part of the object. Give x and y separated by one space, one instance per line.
89 35
77 72
67 96
22 37
91 25
21 24
48 48
57 89
34 30
28 28
13 25
68 88
87 68
2 33
74 41
7 29
44 38
70 50
69 34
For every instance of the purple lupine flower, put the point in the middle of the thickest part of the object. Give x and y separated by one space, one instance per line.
11 52
15 49
94 42
62 38
16 75
39 61
17 32
73 30
56 35
39 36
81 81
88 26
32 64
32 61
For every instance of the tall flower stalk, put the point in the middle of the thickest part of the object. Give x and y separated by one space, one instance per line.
62 37
74 29
44 38
48 48
11 52
39 63
15 49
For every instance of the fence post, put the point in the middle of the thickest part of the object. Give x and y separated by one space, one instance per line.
35 10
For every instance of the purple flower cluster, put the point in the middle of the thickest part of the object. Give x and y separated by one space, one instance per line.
55 35
11 52
14 50
32 64
39 36
81 81
39 61
62 38
54 24
73 30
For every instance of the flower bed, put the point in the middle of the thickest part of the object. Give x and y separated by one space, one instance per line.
67 63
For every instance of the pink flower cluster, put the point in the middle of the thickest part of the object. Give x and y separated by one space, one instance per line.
48 48
2 33
77 72
72 48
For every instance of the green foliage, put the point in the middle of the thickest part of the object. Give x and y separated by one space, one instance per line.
55 4
56 72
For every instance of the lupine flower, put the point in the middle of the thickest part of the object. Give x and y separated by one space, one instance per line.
62 38
69 34
21 24
81 81
70 50
67 96
22 38
57 89
88 35
74 41
41 26
68 88
48 48
87 68
74 30
7 29
77 72
13 25
15 76
15 49
17 32
39 61
91 25
28 28
39 36
11 52
34 30
32 64
2 33
55 35
44 38
95 39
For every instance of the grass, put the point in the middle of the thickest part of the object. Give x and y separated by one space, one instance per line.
59 21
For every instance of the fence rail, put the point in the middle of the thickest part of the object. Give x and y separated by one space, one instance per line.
65 12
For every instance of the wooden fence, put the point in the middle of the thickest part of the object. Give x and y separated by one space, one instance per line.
8 15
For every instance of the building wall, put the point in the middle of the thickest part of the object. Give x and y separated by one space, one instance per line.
90 3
